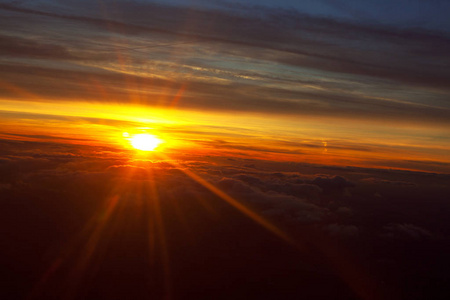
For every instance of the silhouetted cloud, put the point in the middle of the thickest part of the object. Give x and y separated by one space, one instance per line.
285 207
407 231
53 192
335 183
345 231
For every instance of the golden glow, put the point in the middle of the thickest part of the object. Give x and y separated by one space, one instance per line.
145 142
186 132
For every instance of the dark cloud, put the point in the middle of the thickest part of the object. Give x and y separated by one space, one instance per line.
43 137
384 181
5 186
335 183
287 208
345 231
407 231
23 47
55 195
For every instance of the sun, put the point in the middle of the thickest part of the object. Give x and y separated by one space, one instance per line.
145 142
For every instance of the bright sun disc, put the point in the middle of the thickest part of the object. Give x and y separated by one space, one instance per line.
145 142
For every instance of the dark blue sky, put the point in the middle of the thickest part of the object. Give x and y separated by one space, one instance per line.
432 14
405 13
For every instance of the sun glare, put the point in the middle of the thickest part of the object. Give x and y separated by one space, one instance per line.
145 142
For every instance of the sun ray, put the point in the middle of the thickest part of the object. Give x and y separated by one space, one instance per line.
236 204
155 207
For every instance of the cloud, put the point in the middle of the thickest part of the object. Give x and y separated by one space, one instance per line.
284 207
5 186
271 61
385 181
344 231
52 191
236 187
330 184
344 211
407 231
24 47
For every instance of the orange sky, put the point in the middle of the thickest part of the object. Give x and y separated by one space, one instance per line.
315 140
313 93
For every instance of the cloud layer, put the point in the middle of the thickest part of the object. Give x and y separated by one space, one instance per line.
263 60
90 210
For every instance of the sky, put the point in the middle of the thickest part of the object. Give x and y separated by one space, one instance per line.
295 127
292 76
